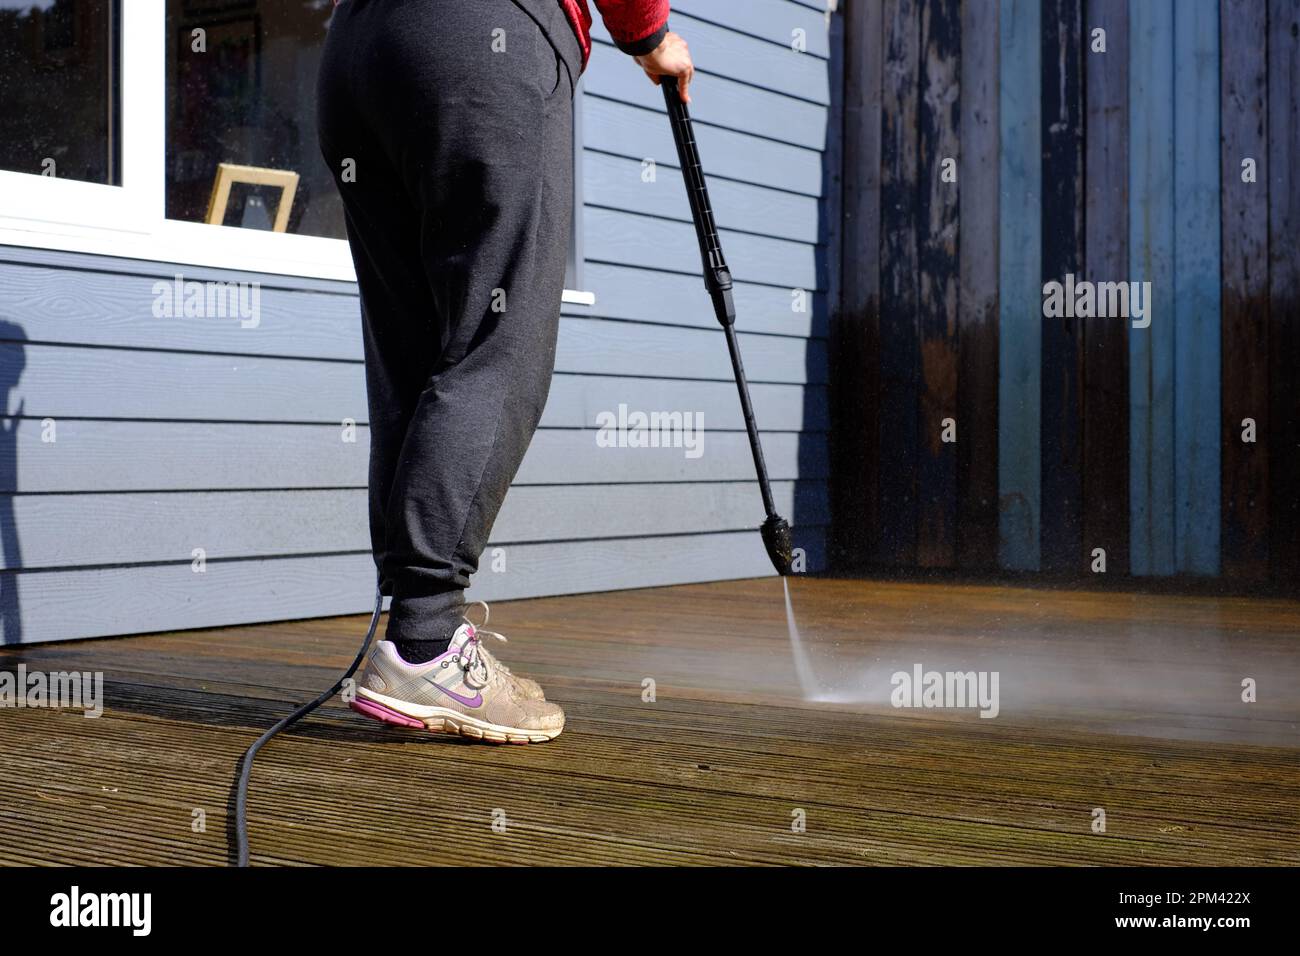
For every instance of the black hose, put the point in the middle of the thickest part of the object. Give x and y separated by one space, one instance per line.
241 791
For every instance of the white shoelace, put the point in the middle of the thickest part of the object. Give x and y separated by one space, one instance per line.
474 656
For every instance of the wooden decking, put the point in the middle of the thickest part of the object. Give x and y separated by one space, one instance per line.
1125 702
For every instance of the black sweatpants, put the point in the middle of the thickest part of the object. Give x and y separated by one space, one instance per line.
448 124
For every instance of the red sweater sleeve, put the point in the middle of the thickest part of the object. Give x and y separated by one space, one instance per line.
637 26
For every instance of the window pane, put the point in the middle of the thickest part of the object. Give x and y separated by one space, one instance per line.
59 89
241 92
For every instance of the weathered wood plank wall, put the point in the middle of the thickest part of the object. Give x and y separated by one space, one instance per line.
1197 301
1019 285
855 335
1097 141
938 281
1245 373
1061 423
899 416
1283 179
1106 256
977 314
1151 259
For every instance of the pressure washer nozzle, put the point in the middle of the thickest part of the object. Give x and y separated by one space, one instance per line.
776 538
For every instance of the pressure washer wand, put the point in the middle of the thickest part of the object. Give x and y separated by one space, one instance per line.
717 280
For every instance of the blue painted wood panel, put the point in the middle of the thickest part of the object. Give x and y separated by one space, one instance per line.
1197 281
729 52
653 242
1020 309
623 130
624 291
1151 248
772 20
614 182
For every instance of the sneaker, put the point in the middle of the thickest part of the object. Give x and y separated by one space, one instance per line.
463 691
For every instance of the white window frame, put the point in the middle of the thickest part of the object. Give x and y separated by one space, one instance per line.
130 221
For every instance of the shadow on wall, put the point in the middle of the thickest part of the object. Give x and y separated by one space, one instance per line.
13 358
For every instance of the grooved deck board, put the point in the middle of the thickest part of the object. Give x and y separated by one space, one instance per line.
1124 701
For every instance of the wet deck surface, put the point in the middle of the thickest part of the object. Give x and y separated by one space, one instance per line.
1127 703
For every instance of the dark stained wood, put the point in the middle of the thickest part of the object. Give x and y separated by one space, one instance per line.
710 772
1062 372
855 327
1284 287
938 274
977 315
1243 116
1106 259
1020 277
899 342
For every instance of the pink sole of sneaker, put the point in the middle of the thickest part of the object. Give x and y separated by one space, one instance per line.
386 714
447 725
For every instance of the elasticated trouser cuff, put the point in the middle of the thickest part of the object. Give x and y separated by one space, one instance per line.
423 626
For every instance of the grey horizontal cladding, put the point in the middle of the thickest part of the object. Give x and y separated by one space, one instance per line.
86 530
650 242
633 349
772 66
621 348
58 605
624 292
71 381
59 381
116 308
68 531
718 101
141 456
575 401
620 183
774 20
539 570
636 133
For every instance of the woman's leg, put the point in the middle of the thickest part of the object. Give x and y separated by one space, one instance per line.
461 114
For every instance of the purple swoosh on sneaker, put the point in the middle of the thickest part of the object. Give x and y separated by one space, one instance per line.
475 701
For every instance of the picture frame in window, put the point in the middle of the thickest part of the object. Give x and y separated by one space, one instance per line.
228 174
